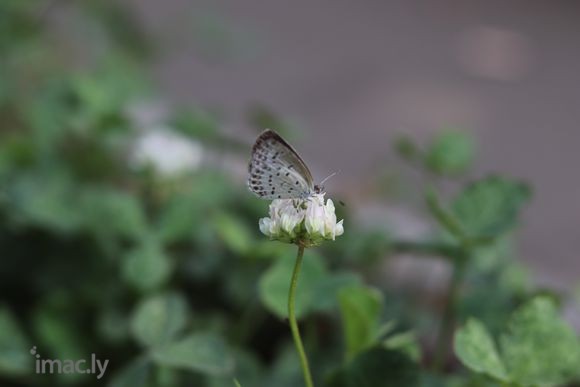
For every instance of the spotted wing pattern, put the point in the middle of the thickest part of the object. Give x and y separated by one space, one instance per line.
276 171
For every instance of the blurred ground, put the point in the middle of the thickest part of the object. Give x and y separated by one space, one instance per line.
355 73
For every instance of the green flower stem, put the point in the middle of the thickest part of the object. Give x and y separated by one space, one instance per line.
292 318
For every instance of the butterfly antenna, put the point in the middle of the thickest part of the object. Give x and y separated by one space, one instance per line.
328 177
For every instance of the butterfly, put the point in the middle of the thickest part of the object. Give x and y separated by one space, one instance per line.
276 171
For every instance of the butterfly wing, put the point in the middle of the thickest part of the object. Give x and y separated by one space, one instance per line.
276 170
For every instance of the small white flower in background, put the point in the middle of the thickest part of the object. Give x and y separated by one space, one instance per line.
167 151
303 221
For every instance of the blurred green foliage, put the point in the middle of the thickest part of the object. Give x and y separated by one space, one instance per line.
360 308
318 288
452 152
537 349
166 275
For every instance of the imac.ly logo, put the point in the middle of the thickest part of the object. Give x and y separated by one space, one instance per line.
51 366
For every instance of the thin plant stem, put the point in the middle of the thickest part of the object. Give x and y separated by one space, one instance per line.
444 250
292 318
449 314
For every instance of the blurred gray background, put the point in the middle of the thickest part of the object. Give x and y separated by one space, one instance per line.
352 74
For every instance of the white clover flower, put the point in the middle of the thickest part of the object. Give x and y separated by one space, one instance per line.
308 222
169 152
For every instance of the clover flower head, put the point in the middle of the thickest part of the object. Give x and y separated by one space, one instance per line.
302 221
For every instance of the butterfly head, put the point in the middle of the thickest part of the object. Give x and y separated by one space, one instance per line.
319 188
